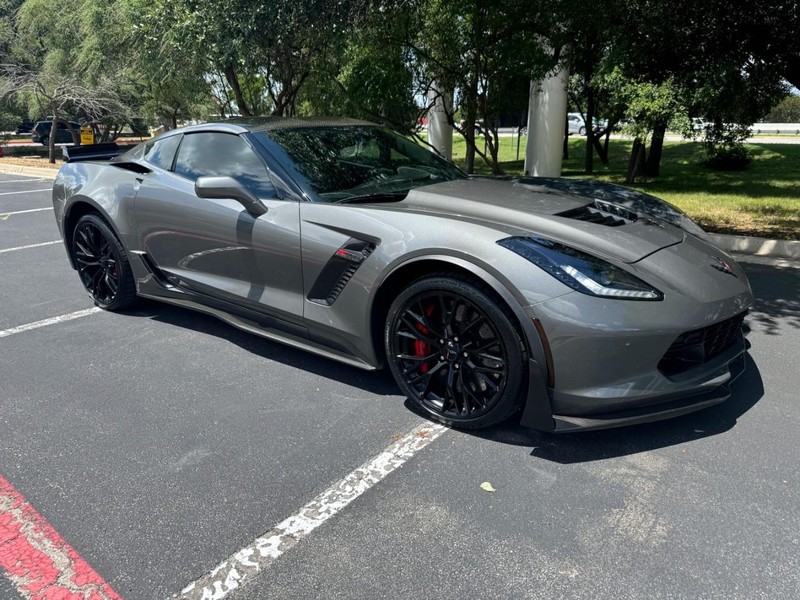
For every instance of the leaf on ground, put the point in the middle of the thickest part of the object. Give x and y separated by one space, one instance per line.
486 486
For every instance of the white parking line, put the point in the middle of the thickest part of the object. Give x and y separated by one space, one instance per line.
2 181
4 216
245 564
30 246
51 321
25 191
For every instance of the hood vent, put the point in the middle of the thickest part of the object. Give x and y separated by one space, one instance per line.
601 213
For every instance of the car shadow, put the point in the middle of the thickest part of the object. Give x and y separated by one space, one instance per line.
569 448
564 448
374 382
777 291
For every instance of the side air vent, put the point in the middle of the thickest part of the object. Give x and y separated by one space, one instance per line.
601 213
338 271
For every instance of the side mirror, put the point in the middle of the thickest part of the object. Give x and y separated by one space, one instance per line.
224 188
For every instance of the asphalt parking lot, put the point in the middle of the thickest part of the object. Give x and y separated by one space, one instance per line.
161 443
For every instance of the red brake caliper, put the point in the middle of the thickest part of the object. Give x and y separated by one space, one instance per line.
423 348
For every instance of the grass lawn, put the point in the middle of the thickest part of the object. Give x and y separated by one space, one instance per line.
762 201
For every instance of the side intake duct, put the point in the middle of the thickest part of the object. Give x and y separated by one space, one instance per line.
338 271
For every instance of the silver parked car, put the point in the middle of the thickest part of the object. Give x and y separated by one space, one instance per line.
573 304
577 124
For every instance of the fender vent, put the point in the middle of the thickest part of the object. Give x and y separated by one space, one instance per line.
339 270
601 213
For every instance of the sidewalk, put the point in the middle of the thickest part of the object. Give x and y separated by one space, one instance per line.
736 244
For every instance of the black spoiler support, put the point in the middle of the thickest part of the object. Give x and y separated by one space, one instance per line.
90 152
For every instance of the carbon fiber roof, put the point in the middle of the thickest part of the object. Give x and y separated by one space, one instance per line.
272 123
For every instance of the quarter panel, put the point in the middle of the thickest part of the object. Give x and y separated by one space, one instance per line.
108 189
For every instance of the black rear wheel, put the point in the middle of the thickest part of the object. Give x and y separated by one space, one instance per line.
455 352
102 264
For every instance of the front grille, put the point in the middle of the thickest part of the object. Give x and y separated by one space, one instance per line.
699 346
601 213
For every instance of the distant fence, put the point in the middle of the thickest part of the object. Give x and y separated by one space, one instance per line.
791 128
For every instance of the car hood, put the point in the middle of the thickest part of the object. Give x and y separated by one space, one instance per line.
537 207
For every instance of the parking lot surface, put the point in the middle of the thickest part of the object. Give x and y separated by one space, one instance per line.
159 443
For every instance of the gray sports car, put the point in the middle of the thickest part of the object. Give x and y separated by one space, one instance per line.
582 305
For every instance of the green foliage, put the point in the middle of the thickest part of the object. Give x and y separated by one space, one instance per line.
786 111
725 147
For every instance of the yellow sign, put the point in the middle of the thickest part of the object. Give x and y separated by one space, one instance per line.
87 136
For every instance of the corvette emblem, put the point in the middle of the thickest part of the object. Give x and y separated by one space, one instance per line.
721 265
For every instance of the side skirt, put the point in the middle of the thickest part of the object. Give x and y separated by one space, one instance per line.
270 333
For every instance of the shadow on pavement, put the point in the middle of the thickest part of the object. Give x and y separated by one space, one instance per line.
777 291
562 448
374 382
572 448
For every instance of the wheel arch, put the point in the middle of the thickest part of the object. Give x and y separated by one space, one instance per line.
402 275
537 411
77 208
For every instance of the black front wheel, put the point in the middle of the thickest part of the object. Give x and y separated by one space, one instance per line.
455 352
102 264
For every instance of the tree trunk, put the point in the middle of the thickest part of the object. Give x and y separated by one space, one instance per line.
588 167
493 139
233 81
471 102
601 151
51 140
637 160
653 167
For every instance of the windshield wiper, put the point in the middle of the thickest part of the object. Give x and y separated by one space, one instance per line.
373 197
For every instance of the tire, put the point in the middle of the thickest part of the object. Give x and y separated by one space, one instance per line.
455 352
102 264
45 140
582 131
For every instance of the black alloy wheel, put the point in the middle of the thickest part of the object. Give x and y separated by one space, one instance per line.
102 264
455 352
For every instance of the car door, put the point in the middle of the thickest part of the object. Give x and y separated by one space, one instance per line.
213 247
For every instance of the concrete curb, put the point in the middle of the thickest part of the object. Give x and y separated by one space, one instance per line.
757 246
29 171
738 244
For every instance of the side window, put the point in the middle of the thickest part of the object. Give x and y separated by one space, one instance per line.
223 154
162 151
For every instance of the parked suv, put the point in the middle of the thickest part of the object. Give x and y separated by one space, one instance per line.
41 132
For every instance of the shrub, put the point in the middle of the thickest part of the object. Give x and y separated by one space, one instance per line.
725 149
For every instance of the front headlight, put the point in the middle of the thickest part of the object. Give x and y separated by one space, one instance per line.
581 271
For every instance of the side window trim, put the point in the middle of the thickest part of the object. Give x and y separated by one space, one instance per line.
175 156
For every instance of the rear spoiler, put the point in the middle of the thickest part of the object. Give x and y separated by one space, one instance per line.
91 152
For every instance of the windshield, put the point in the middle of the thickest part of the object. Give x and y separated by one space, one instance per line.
342 162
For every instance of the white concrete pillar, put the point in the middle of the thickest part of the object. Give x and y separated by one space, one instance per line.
440 134
547 114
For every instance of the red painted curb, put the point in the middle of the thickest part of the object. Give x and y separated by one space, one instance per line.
38 561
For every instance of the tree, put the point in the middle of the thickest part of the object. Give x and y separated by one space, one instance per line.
263 52
786 111
485 53
45 68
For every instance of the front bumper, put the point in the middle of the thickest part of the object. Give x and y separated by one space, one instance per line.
714 389
607 357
